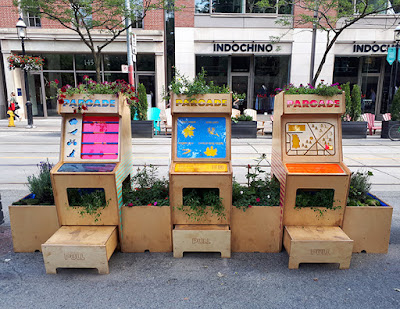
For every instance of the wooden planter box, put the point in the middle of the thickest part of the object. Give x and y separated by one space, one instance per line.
369 227
181 217
146 228
256 230
244 129
354 129
142 128
385 127
32 226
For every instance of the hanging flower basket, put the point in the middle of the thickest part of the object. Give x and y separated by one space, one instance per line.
27 63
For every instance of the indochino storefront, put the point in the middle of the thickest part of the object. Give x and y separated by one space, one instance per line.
252 68
365 64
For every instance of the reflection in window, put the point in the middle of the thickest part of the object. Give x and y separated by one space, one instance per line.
145 62
243 6
58 62
85 62
114 62
31 20
216 68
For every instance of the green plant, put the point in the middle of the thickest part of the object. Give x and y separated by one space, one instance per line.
355 103
346 89
40 187
242 117
238 96
140 109
359 188
198 201
259 191
27 63
90 87
181 84
88 201
321 89
395 108
319 200
148 189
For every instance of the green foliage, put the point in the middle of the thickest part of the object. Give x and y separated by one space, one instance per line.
359 187
242 117
238 96
89 87
181 84
395 108
259 191
315 198
322 89
88 201
40 186
198 201
141 107
148 189
355 112
109 17
346 89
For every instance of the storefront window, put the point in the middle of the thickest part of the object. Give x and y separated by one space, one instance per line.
51 93
241 64
270 72
243 6
111 77
346 70
114 62
58 62
85 62
145 62
216 68
371 65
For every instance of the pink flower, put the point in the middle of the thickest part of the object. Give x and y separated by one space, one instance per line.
258 199
130 204
250 206
56 81
155 203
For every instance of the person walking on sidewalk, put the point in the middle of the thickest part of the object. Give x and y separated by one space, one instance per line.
14 106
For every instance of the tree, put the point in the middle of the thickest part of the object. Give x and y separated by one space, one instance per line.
333 17
87 17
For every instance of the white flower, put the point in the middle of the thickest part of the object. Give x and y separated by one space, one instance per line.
241 192
268 196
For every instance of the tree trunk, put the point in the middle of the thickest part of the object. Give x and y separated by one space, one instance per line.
97 63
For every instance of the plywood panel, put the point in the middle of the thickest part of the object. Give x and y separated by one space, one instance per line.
201 240
80 247
317 244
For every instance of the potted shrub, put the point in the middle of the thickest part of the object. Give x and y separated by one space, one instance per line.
140 126
351 126
146 215
33 218
256 215
395 114
243 126
367 219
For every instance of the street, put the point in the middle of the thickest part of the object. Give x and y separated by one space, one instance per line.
199 280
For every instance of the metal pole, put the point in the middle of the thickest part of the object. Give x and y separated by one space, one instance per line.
28 103
128 44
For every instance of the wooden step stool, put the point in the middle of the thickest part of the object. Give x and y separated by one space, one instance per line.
201 238
317 244
80 247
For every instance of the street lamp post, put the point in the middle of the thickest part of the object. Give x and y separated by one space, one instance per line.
21 31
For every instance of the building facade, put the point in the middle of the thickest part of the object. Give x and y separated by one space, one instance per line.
234 41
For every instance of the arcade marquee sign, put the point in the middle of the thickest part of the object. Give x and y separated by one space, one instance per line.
304 104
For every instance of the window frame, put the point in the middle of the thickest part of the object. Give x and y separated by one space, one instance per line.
243 6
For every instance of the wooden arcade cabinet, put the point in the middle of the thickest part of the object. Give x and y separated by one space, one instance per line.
95 153
201 158
307 156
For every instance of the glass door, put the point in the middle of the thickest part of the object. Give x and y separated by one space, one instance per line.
36 89
240 84
369 91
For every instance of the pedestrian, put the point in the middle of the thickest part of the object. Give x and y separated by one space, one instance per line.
14 106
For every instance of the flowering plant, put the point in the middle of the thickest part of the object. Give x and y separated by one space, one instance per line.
90 87
321 89
27 63
181 84
148 189
259 191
